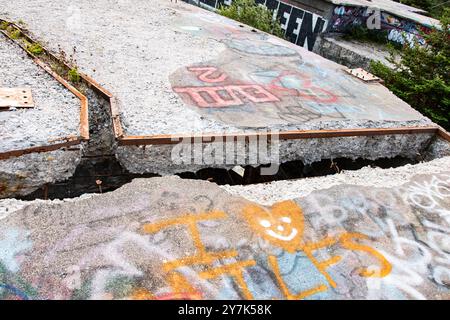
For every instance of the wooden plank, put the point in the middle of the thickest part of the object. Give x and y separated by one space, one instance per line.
16 98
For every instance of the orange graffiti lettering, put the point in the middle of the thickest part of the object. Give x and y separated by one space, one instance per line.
283 226
284 289
176 280
386 267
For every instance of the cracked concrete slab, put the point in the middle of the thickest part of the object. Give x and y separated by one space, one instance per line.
165 238
156 45
270 193
190 71
55 117
56 113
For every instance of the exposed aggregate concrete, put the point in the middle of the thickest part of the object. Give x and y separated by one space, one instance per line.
56 113
124 44
22 175
269 193
160 159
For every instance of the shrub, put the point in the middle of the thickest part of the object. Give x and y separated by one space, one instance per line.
421 76
74 75
252 14
35 48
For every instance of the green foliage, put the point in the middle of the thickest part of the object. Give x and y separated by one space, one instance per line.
366 35
14 33
422 76
434 7
35 48
74 75
252 14
4 25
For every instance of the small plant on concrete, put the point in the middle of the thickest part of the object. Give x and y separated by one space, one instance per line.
35 48
253 14
74 75
14 33
4 25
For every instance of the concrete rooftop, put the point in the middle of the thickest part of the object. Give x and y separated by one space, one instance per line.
178 69
367 234
386 238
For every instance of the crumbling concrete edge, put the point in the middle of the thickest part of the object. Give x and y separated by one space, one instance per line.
276 191
124 140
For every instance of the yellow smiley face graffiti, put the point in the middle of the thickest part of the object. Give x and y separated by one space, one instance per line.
282 225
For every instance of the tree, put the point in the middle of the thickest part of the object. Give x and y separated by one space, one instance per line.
421 76
257 16
434 7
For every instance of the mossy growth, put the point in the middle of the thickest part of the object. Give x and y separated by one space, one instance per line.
14 33
74 75
35 48
4 25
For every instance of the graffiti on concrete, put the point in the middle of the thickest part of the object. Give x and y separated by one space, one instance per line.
414 221
225 95
283 227
244 89
396 29
301 27
180 239
254 80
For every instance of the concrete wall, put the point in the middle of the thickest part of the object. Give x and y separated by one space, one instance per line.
302 22
396 29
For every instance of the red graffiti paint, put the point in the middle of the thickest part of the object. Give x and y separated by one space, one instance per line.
206 74
231 95
308 91
228 95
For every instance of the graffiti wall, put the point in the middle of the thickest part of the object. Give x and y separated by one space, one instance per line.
396 29
301 27
167 238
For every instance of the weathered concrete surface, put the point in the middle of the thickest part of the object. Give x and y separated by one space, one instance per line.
276 191
164 238
166 160
190 71
155 44
22 175
351 53
56 115
399 9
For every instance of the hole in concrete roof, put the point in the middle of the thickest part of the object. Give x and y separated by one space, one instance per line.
104 174
100 171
